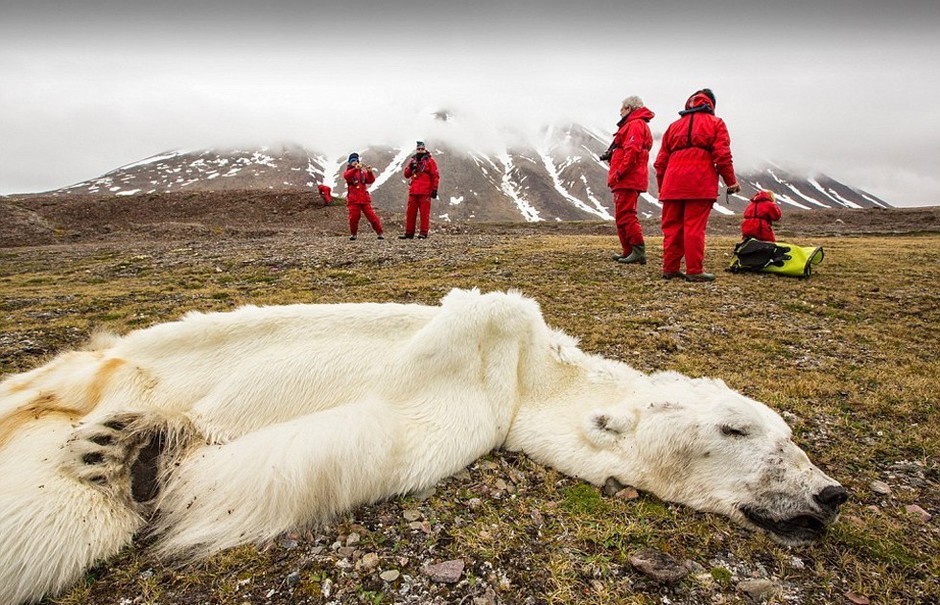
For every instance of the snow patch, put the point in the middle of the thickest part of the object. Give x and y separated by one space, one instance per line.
512 190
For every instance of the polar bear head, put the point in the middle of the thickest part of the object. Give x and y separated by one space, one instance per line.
699 443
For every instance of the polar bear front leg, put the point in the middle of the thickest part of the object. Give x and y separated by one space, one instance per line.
122 454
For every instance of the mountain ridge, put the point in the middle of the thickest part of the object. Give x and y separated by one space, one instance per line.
558 178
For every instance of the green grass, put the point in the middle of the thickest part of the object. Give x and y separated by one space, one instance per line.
851 356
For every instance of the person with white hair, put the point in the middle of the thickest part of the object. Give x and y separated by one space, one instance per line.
628 176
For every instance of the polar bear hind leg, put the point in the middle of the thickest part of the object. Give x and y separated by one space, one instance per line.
74 497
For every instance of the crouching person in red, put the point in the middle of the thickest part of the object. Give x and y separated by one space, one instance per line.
358 200
695 150
422 170
759 216
629 156
326 194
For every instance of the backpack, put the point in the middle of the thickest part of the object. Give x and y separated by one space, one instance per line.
770 257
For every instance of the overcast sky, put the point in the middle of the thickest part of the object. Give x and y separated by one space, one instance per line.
844 87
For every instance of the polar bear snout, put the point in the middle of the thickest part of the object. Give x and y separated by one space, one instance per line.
831 498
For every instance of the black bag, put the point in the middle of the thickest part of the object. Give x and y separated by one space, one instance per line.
785 259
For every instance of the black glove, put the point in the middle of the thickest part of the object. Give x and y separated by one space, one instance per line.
434 194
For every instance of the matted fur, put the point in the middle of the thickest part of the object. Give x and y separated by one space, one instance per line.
226 428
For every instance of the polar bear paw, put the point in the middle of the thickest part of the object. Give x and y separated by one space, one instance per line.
119 454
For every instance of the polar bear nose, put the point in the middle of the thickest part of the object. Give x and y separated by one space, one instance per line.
832 497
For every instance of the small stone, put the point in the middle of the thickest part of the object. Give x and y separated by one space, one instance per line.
390 575
797 563
369 561
423 494
448 572
346 551
352 539
326 588
474 503
612 486
293 578
627 493
880 487
916 510
288 543
857 598
759 589
411 514
658 565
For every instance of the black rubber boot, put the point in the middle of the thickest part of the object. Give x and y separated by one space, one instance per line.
637 255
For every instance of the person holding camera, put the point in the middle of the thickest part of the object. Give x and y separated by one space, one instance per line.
628 176
421 169
695 151
358 200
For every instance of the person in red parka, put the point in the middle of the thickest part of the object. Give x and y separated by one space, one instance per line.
696 150
629 175
758 216
326 194
422 170
358 200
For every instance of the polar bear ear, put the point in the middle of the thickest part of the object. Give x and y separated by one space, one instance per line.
604 427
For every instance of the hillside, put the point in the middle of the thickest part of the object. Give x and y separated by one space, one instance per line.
850 358
48 219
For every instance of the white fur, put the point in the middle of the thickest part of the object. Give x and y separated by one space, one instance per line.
278 417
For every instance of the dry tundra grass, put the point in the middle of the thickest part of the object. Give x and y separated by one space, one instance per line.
851 358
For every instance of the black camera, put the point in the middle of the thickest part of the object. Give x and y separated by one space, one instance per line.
605 157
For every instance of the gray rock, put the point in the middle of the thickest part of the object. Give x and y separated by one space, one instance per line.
293 578
448 572
916 510
411 514
390 575
880 487
658 565
369 561
758 589
612 486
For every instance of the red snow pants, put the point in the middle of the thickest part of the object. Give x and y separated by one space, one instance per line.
628 226
416 204
684 224
355 210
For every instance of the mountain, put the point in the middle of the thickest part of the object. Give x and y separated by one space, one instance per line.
557 178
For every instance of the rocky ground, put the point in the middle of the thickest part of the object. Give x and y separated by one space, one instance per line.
849 357
39 220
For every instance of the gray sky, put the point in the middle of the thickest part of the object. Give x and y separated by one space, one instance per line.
842 87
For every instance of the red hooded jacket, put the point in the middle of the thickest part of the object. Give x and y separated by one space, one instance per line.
629 162
695 150
423 174
758 216
357 182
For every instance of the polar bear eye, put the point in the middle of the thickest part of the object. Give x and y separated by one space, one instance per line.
730 431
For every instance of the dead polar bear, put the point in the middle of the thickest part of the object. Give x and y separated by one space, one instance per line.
225 428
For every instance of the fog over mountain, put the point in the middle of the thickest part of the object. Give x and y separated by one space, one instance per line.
556 176
840 87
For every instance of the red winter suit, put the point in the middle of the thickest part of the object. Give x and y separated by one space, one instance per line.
325 193
695 150
422 170
629 174
358 200
758 216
